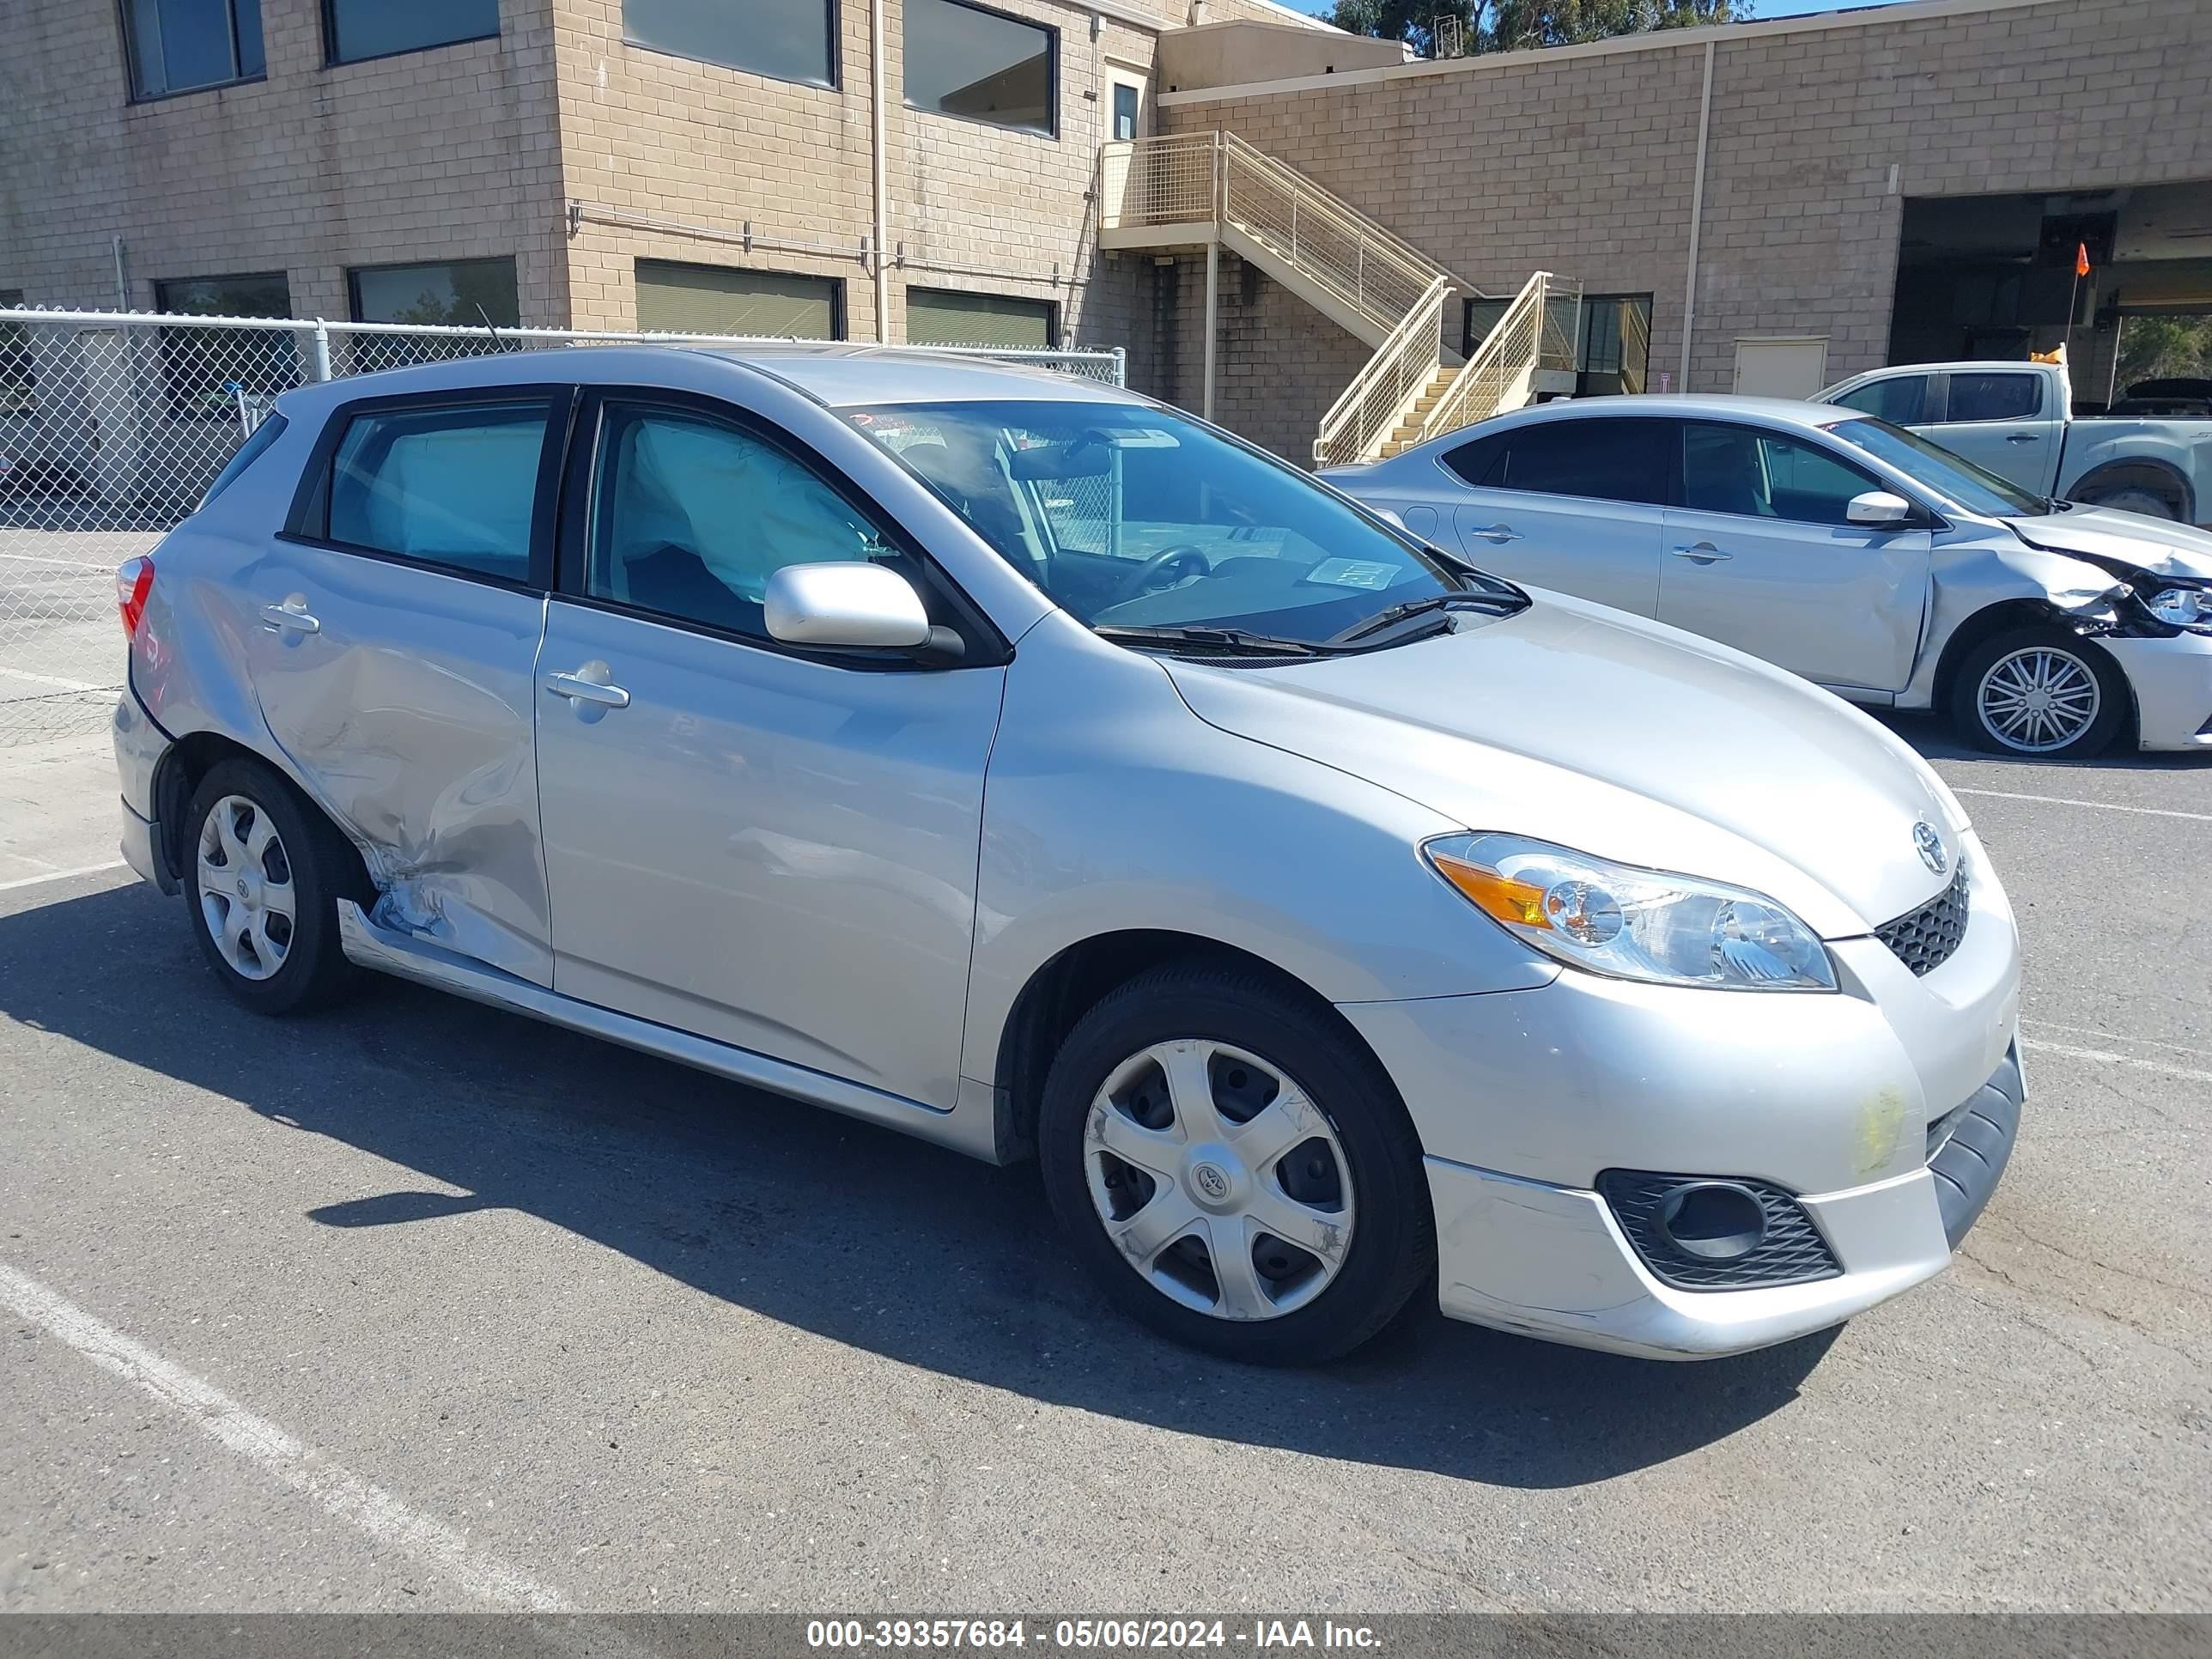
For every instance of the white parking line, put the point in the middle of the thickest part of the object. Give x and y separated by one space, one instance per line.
58 683
332 1484
2102 806
59 875
67 564
2105 1057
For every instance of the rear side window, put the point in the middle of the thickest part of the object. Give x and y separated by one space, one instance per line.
1901 401
2011 397
271 430
1606 460
454 487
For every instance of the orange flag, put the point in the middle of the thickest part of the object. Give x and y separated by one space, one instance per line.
2080 259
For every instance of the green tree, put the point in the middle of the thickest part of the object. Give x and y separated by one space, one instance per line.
1480 25
2156 348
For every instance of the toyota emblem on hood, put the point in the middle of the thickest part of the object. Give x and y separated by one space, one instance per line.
1931 848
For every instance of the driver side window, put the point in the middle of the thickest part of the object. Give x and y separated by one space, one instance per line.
1752 474
690 516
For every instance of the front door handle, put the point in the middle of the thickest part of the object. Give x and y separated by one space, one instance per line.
2021 437
290 616
1702 553
1497 535
588 685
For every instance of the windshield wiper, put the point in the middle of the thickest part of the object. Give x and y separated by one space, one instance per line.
1498 604
1236 640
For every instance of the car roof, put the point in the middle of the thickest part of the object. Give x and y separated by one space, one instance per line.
837 374
1772 411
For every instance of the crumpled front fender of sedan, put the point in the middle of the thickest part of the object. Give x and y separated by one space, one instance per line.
1110 808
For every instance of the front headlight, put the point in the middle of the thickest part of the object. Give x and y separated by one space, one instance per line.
2184 607
1630 923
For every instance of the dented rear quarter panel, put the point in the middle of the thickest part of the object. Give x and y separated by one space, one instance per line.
406 717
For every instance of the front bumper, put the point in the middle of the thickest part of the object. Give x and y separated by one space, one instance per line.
2171 679
1523 1099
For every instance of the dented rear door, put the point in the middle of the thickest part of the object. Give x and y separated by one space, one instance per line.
394 638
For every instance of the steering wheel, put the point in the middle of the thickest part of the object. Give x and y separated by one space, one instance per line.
1184 560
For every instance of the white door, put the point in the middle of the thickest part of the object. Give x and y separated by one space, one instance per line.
1777 365
1761 556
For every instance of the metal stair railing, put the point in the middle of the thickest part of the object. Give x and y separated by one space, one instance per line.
1392 381
1530 336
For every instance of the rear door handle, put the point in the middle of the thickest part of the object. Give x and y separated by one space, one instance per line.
290 616
1702 553
1497 535
581 687
2022 437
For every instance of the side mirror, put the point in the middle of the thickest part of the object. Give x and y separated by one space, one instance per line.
849 604
1878 509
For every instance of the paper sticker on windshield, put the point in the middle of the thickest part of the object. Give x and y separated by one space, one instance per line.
1352 573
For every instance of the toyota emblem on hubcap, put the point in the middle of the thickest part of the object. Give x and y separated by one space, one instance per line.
1211 1182
1931 848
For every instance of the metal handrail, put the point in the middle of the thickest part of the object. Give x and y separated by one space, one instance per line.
1496 363
1405 363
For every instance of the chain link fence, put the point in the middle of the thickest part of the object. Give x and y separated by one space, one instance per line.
113 424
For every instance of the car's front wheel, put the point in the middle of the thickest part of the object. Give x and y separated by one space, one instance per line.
2041 693
1234 1167
263 877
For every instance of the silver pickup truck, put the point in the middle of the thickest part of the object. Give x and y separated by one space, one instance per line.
2015 420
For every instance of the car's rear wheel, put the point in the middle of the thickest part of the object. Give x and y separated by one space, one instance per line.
2041 693
263 876
1234 1167
2132 498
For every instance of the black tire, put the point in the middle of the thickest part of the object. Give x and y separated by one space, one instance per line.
2113 708
2137 498
1392 1248
319 867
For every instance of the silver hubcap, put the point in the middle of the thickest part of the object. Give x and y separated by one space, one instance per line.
246 896
1218 1179
2038 699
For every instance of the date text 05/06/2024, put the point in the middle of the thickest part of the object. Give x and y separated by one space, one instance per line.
1090 1635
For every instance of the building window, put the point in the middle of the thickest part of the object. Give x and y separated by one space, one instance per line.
962 60
937 316
1480 316
207 370
783 39
355 30
675 299
1125 111
1615 344
463 293
182 46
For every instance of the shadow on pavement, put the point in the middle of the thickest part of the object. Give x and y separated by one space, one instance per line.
834 1226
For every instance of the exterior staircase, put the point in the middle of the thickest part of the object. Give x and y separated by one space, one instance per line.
1211 190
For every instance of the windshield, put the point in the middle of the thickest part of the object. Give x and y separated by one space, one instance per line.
1133 516
1966 486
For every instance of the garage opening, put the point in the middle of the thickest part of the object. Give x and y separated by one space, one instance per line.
1994 277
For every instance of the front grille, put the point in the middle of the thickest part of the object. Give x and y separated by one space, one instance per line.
1923 939
1792 1252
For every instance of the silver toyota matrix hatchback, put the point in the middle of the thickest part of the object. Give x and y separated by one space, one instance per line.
1023 764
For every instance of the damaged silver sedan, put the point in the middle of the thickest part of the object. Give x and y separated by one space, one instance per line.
1024 765
1843 548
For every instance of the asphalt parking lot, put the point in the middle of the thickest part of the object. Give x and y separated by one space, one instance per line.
423 1306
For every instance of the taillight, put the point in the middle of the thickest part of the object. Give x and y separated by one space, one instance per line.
134 580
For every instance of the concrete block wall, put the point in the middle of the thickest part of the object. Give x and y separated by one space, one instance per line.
447 153
1583 161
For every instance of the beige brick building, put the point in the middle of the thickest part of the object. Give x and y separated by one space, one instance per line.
1801 197
325 141
1908 183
